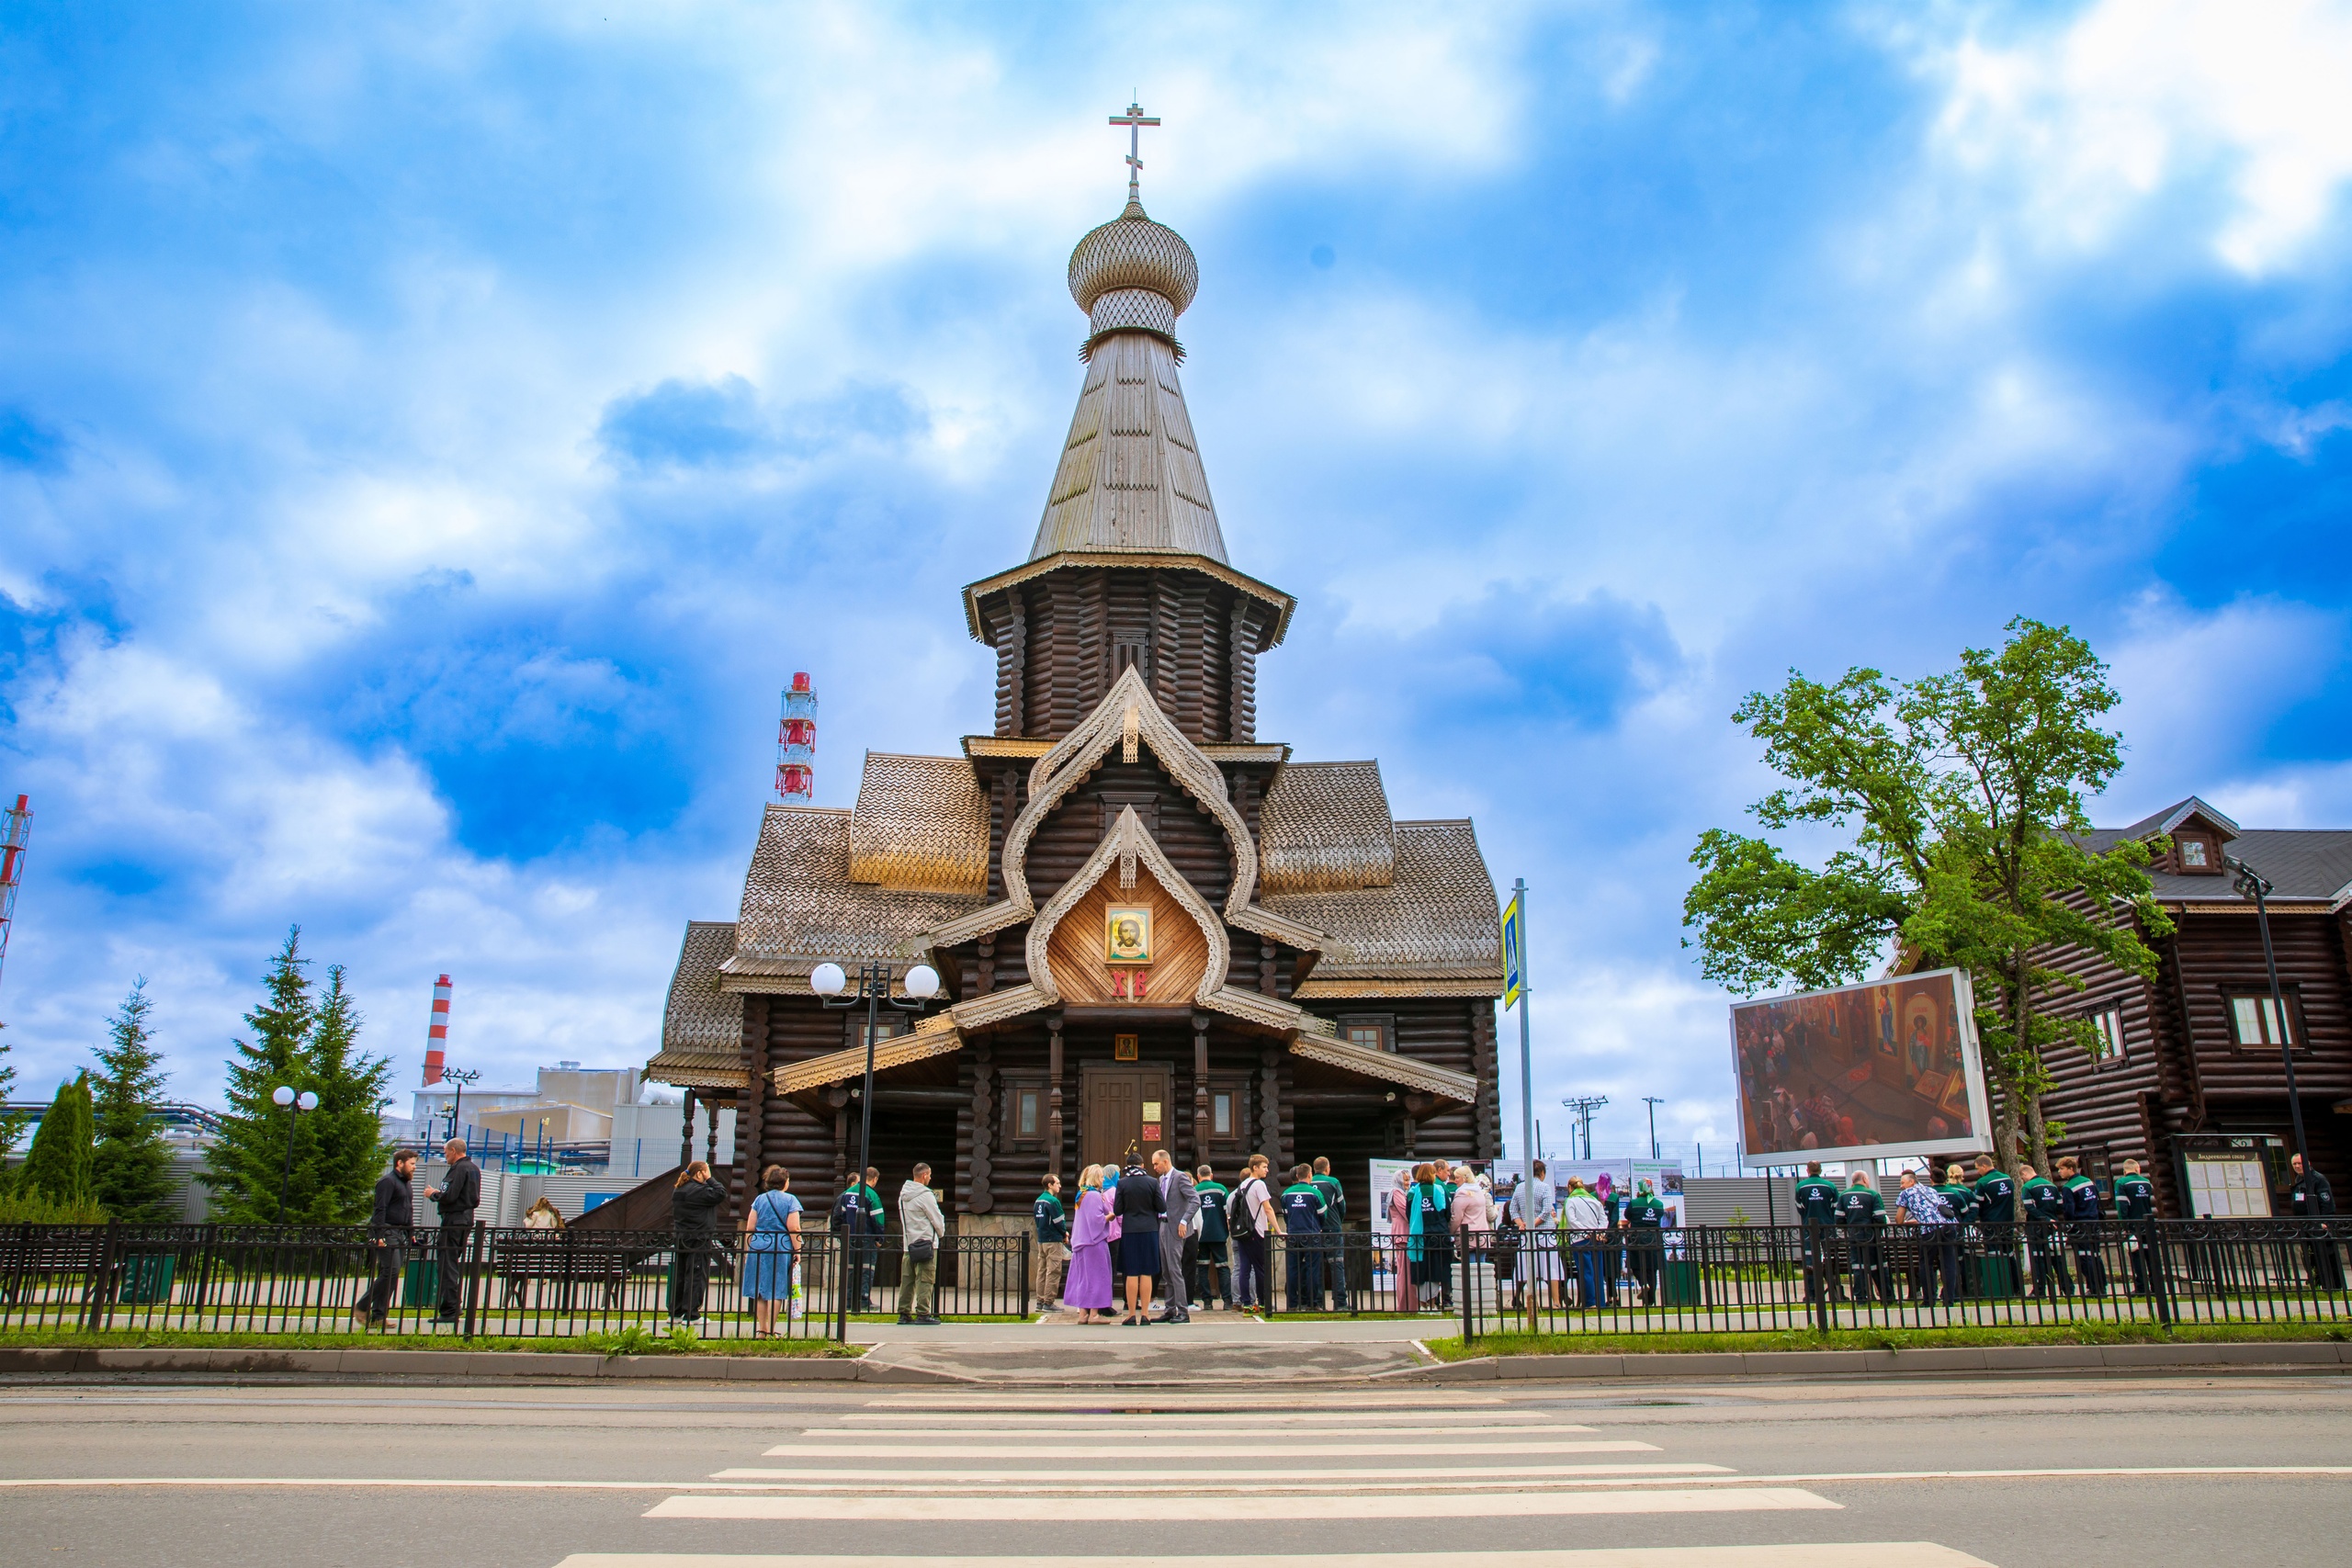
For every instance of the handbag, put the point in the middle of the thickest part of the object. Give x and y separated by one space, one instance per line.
921 1251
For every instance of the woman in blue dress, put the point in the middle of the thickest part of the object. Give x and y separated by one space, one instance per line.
770 1232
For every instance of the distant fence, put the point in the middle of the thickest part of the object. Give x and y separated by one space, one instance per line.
483 1282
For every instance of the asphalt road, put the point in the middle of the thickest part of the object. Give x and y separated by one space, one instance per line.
663 1476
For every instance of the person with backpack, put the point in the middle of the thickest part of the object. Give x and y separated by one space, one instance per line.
1251 1220
1922 1208
2082 1225
1212 1280
1053 1244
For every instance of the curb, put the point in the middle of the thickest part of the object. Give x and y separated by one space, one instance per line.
68 1360
1941 1361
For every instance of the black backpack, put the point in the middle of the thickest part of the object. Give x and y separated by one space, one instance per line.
1238 1220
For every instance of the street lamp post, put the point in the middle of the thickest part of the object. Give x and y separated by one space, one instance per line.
294 1105
1653 1102
829 981
461 1077
2253 884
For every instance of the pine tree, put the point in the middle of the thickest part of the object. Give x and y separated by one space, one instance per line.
247 1160
12 1122
132 1169
58 1166
347 1129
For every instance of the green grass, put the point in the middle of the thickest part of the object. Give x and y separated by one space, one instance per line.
1522 1344
623 1342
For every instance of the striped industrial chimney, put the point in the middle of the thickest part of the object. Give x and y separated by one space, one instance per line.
436 1039
796 744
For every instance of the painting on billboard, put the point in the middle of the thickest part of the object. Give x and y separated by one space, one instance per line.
1881 1070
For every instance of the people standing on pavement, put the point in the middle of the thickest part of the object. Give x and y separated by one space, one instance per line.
859 1221
1584 1232
1211 1281
1644 1222
2045 1210
1996 1218
695 1199
1923 1209
1864 1213
1506 1253
1816 1227
1180 1229
1537 1210
1253 1286
1335 1226
1960 1199
389 1223
2082 1225
1089 1288
771 1242
1395 1221
1139 1206
1052 1223
2135 1209
458 1199
921 1227
1302 1230
543 1215
2312 1199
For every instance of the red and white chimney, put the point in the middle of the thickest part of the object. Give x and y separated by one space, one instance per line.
436 1039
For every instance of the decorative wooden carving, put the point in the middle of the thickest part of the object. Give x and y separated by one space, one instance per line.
980 1199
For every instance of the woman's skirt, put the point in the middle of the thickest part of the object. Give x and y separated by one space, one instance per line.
1139 1253
1088 1285
767 1274
1432 1257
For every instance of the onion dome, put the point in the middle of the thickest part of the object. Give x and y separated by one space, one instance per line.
1133 275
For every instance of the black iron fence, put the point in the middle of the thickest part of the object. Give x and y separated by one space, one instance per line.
1747 1278
483 1282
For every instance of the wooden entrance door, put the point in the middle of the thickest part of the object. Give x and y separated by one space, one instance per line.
1127 1112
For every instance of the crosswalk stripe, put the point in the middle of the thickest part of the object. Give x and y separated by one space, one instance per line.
1225 1451
1156 1399
1096 1414
1185 1507
1143 1426
1838 1555
1225 1480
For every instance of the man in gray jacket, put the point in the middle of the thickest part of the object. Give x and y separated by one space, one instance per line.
921 1226
1179 1218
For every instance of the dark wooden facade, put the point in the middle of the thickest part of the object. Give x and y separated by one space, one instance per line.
2184 1068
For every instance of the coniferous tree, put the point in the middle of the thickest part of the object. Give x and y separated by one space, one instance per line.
133 1169
247 1159
58 1165
12 1122
346 1131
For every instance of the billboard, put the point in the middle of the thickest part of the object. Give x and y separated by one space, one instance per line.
1879 1071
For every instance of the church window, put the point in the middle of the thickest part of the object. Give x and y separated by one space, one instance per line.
887 1027
2193 854
1026 1121
2254 1021
2108 1023
1373 1031
1221 1115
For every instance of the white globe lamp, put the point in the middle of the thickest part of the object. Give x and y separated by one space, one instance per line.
306 1100
281 1095
827 979
923 981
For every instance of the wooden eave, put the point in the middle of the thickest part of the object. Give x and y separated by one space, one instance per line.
1281 602
1025 748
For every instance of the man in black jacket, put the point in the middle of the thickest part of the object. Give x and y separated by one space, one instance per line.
456 1200
2311 1198
388 1228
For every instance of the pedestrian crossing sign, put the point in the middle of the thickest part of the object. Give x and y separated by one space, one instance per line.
1514 953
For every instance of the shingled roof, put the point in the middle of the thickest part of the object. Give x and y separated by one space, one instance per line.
1324 828
801 908
921 826
1437 921
2303 864
702 1027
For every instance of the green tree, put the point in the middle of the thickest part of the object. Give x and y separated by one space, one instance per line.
58 1165
12 1122
132 1170
1963 793
246 1160
346 1131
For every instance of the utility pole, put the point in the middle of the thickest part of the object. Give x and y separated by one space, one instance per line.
1653 1102
1584 1106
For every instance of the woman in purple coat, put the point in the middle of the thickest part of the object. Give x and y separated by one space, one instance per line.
1089 1286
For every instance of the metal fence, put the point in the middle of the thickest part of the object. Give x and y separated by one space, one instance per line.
1750 1279
482 1282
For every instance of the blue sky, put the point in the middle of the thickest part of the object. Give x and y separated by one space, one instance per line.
431 434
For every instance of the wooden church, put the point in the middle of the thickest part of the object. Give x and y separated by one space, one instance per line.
1153 927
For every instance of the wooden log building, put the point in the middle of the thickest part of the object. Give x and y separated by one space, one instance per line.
2193 1055
1154 927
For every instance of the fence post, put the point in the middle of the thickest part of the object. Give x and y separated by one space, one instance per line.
1028 1239
94 1297
1469 1285
473 1274
2159 1276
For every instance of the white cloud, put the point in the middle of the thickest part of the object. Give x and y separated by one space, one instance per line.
2094 118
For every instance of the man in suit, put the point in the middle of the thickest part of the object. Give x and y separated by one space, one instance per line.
456 1200
1180 1217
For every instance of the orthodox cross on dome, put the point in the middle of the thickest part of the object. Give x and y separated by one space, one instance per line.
1134 119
